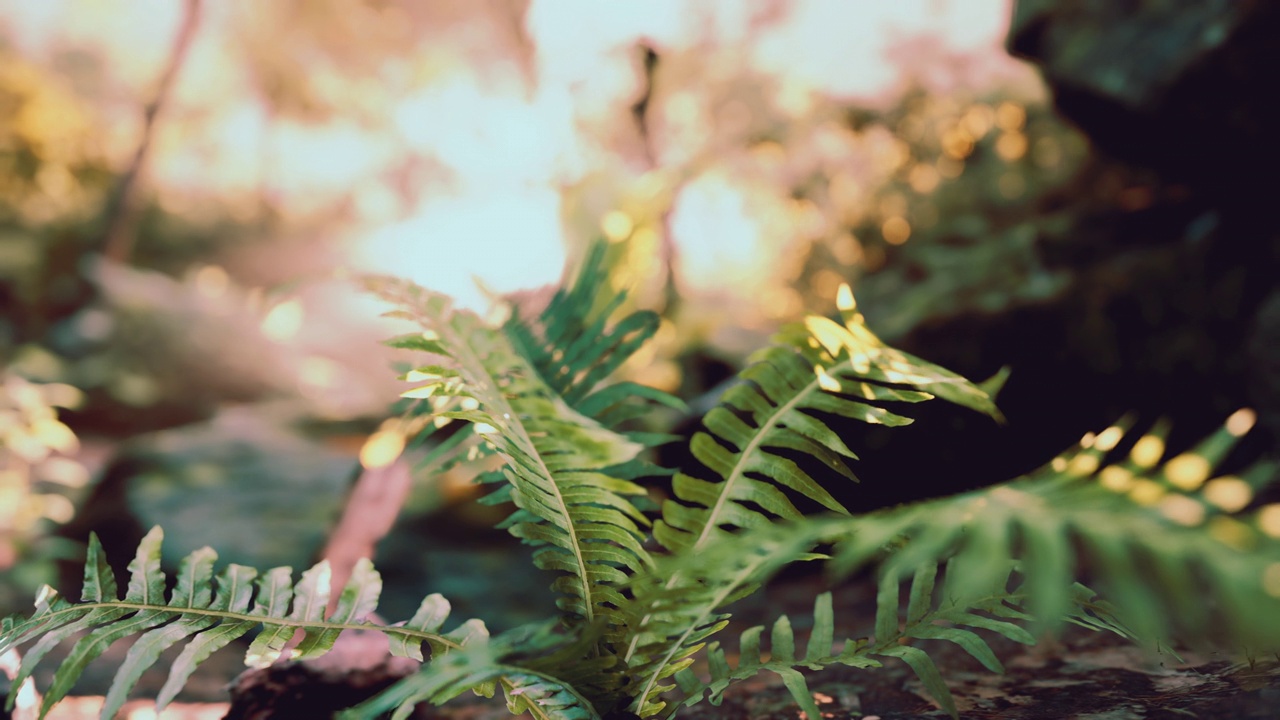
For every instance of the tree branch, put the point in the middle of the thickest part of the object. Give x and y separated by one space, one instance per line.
120 232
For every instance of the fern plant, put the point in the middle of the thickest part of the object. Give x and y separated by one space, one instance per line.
643 588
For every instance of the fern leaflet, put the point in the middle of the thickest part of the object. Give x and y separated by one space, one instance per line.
578 341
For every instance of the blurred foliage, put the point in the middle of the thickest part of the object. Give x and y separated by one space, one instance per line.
303 61
103 329
921 198
52 167
932 204
53 180
55 176
40 482
954 226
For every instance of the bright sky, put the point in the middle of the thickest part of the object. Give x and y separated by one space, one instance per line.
502 220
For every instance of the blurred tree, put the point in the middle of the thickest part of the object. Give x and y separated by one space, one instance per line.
40 482
120 231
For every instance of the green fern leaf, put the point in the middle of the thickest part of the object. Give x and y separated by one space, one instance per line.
233 594
448 678
888 635
944 619
358 600
923 666
779 659
560 464
575 343
689 613
430 616
275 595
209 614
56 620
1164 542
192 591
931 613
925 619
814 370
146 587
545 701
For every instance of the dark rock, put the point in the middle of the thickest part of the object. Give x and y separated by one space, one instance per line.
295 690
1188 91
1186 88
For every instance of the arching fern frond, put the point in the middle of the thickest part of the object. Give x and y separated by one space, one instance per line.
814 371
575 341
558 460
210 613
1164 542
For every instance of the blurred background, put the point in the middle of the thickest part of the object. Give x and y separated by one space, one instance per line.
1077 190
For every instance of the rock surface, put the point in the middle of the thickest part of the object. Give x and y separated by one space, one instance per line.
1188 88
1162 253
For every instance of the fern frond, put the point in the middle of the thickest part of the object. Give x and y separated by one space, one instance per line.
558 461
211 613
540 695
947 618
687 614
780 659
1161 541
472 668
926 618
576 342
930 615
813 371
